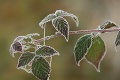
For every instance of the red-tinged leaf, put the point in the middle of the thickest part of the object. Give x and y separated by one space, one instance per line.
108 24
62 26
17 46
96 53
46 51
81 47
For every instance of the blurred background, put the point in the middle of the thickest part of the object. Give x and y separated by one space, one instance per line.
21 17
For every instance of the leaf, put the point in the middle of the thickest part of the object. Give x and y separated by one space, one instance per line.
64 13
48 18
40 68
17 46
62 26
108 24
19 38
46 51
81 47
117 42
25 58
31 35
14 48
11 50
96 53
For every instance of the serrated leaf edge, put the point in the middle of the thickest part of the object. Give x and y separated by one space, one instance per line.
27 70
105 23
26 64
12 51
78 63
116 41
41 24
59 31
49 72
57 53
70 15
98 70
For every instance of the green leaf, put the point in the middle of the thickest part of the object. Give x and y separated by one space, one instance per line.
96 53
81 47
46 51
64 13
62 26
117 42
25 58
41 68
108 24
48 18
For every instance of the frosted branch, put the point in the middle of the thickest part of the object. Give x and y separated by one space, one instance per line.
79 32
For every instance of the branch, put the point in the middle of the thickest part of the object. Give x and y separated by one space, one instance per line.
78 32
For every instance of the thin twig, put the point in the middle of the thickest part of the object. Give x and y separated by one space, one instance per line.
44 35
79 32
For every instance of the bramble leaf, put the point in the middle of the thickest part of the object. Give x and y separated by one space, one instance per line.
117 42
64 13
41 68
96 52
19 38
25 58
31 35
108 24
46 51
81 47
62 26
15 47
48 18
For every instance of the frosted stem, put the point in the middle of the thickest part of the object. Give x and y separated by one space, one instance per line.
44 35
78 32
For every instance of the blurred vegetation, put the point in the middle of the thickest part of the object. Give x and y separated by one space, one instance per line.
21 17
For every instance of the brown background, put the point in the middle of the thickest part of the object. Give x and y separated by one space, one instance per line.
20 17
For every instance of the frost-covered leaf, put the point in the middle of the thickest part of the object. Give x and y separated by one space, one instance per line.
46 51
62 26
29 47
41 68
19 38
64 13
25 58
14 48
108 24
117 42
11 50
96 52
17 46
48 18
33 34
81 47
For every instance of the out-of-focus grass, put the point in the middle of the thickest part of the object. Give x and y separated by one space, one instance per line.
21 17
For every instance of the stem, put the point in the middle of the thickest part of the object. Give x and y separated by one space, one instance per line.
44 35
79 32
